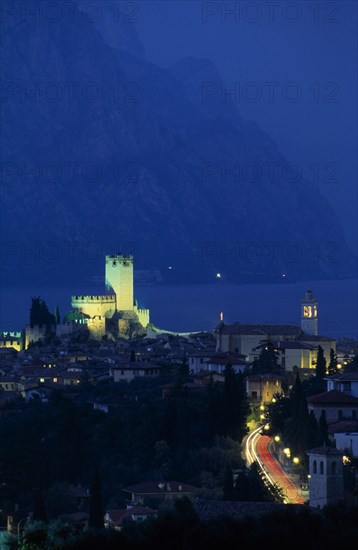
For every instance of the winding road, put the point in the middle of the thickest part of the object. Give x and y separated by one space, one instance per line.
257 449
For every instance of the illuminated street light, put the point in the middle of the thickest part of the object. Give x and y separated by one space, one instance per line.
262 408
277 438
262 417
266 426
296 460
218 275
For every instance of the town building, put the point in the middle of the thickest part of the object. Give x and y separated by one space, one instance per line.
117 304
347 383
12 340
325 477
116 519
130 371
337 406
262 388
207 360
296 346
165 490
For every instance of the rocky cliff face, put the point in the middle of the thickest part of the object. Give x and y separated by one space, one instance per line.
104 151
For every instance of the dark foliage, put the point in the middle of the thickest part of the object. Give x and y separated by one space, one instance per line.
96 513
321 364
39 313
335 527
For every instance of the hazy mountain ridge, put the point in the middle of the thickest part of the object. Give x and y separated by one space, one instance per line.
160 155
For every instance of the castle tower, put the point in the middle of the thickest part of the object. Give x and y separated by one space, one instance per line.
119 277
309 314
325 476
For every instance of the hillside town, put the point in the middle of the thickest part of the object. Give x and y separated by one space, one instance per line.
240 420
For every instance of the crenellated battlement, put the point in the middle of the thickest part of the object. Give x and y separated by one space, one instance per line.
119 298
112 257
10 335
93 299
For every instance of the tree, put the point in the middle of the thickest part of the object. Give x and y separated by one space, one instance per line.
39 313
298 424
242 487
321 364
323 429
313 431
39 511
258 491
57 316
268 359
352 366
234 404
332 368
183 372
277 413
228 484
96 512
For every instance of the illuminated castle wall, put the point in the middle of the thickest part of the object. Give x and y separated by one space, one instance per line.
119 279
95 305
120 298
11 340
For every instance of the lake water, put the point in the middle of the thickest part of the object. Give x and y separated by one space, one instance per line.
197 307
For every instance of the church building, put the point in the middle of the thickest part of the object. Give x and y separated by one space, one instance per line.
296 345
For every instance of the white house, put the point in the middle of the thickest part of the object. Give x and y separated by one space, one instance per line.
216 362
347 383
130 371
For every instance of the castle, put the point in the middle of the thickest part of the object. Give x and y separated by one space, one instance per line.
115 312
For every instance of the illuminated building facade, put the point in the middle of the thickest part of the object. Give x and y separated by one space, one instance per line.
118 304
325 477
309 314
297 345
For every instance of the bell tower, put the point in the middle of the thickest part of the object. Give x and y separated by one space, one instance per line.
325 476
309 314
119 278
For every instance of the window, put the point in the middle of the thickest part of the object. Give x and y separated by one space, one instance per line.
236 350
321 467
334 468
254 394
345 386
314 467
